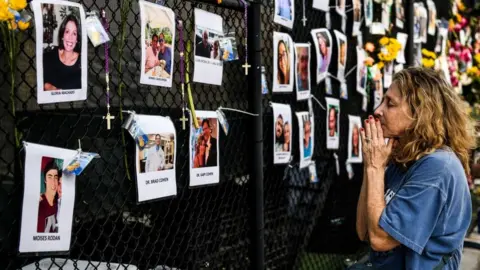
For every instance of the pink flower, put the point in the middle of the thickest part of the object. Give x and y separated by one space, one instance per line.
457 45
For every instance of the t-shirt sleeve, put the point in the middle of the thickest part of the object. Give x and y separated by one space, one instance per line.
412 214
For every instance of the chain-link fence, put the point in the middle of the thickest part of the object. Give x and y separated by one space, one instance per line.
201 228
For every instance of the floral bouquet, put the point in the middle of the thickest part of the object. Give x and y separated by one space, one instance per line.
14 19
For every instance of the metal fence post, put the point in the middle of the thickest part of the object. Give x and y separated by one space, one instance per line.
410 51
257 252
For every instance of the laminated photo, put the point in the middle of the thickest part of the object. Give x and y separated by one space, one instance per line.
284 13
402 39
282 133
432 17
377 86
155 161
61 45
399 13
306 138
386 12
204 150
333 122
283 60
342 54
441 43
354 142
368 10
361 71
208 59
419 23
48 200
388 74
157 44
357 17
321 5
340 7
302 70
323 47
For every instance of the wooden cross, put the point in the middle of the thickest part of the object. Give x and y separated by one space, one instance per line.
183 119
304 21
246 66
109 117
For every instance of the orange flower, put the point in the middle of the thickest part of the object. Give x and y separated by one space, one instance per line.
369 47
369 61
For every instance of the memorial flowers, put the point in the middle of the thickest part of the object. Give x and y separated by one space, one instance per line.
14 20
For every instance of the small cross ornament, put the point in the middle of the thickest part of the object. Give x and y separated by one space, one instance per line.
304 20
108 118
183 119
246 66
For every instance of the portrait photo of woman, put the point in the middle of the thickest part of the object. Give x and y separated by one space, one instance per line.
355 141
323 42
61 62
332 121
283 64
61 47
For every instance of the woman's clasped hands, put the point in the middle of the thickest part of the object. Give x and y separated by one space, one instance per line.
376 153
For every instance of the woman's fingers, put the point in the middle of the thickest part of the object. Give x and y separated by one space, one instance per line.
362 136
379 130
373 130
368 130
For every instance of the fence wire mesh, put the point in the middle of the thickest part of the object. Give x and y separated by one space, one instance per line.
202 228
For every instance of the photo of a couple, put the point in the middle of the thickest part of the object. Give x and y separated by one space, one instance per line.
205 147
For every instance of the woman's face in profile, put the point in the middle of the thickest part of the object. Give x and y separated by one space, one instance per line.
282 58
70 36
331 119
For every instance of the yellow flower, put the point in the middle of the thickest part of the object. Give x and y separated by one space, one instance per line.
23 25
380 56
5 14
17 4
12 25
380 65
477 58
460 6
459 17
383 41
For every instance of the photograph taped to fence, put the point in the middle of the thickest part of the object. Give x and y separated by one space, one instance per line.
357 17
361 71
342 54
402 39
157 43
432 17
208 33
282 133
399 13
323 46
155 162
48 200
333 122
368 10
284 12
204 150
340 7
61 45
354 142
306 137
283 58
321 5
302 70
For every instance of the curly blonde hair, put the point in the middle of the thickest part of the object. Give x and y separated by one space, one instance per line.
439 118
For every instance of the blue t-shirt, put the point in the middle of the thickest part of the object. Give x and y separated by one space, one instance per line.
167 56
429 214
